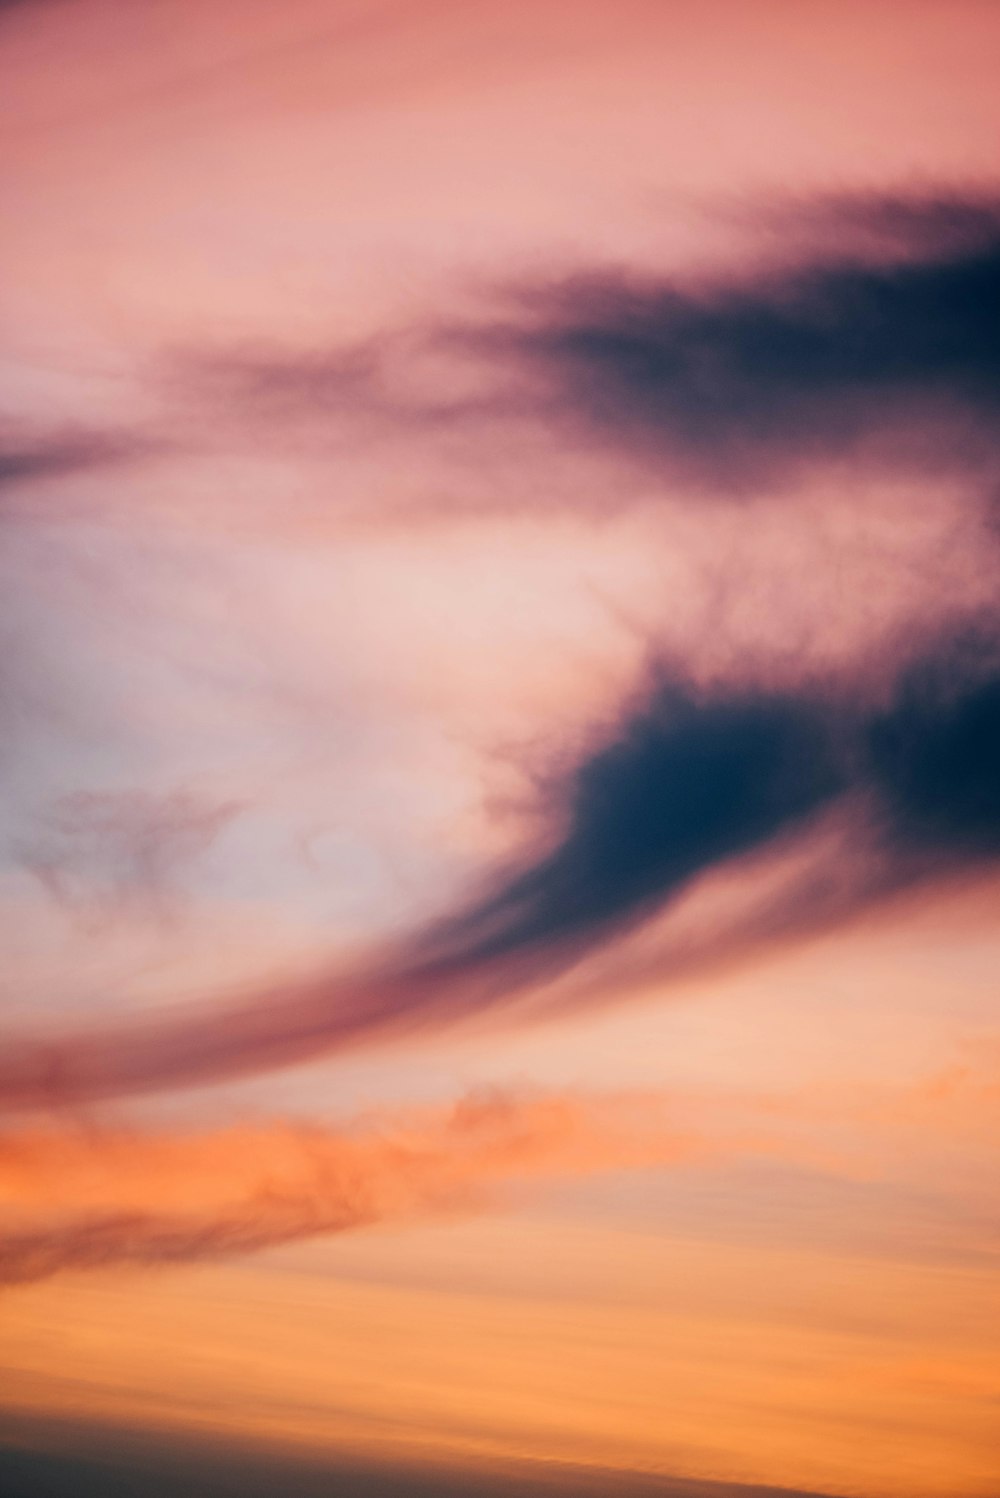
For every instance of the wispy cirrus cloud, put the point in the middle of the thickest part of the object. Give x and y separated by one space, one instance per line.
87 1200
26 455
81 1197
115 849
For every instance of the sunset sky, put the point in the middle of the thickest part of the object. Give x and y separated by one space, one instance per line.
500 859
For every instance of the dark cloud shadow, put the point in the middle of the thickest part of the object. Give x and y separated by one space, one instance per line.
57 1458
9 6
872 335
680 786
736 386
30 457
935 753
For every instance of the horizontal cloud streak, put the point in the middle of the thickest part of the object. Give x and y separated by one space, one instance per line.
85 1200
25 457
82 1198
876 337
736 385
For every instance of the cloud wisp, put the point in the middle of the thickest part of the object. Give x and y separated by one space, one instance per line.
122 850
79 1197
28 456
86 1200
873 338
738 385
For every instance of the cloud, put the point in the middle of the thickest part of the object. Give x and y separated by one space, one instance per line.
119 849
737 385
15 5
935 753
681 785
872 335
677 786
91 1459
80 1197
884 227
684 785
86 1200
740 380
676 791
25 457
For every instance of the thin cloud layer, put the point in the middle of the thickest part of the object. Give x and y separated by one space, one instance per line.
29 456
122 849
88 1201
83 1198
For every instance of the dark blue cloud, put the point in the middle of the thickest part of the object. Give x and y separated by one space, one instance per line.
57 1458
873 335
935 755
736 383
683 785
25 458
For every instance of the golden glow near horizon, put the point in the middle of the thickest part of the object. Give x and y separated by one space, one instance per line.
737 1361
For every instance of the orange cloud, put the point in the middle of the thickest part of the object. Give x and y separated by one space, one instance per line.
81 1200
86 1198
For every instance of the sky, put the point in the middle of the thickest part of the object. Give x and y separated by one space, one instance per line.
500 694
